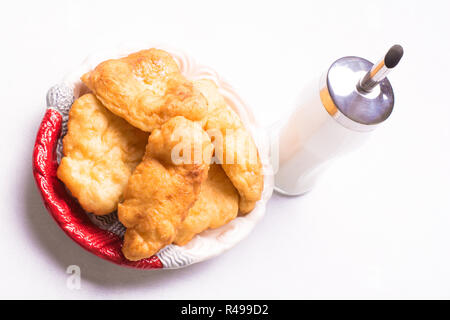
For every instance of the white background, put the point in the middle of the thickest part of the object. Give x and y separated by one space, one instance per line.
376 226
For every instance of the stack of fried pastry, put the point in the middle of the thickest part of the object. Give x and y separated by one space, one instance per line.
168 153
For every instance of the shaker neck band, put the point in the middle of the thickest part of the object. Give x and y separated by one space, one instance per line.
335 113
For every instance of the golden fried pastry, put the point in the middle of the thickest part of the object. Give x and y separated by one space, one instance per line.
217 205
164 186
101 151
145 88
234 146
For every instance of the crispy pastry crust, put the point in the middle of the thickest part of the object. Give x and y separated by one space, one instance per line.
101 151
161 191
145 88
236 151
217 205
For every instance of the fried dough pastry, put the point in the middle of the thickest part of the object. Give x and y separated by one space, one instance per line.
164 186
145 88
101 151
217 205
234 146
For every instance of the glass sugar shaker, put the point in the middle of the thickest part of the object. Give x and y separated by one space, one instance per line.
335 115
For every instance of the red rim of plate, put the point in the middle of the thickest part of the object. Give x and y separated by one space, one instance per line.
65 209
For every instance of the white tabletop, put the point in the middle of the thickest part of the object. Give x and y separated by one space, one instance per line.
376 226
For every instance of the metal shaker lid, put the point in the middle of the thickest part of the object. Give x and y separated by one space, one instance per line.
356 93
